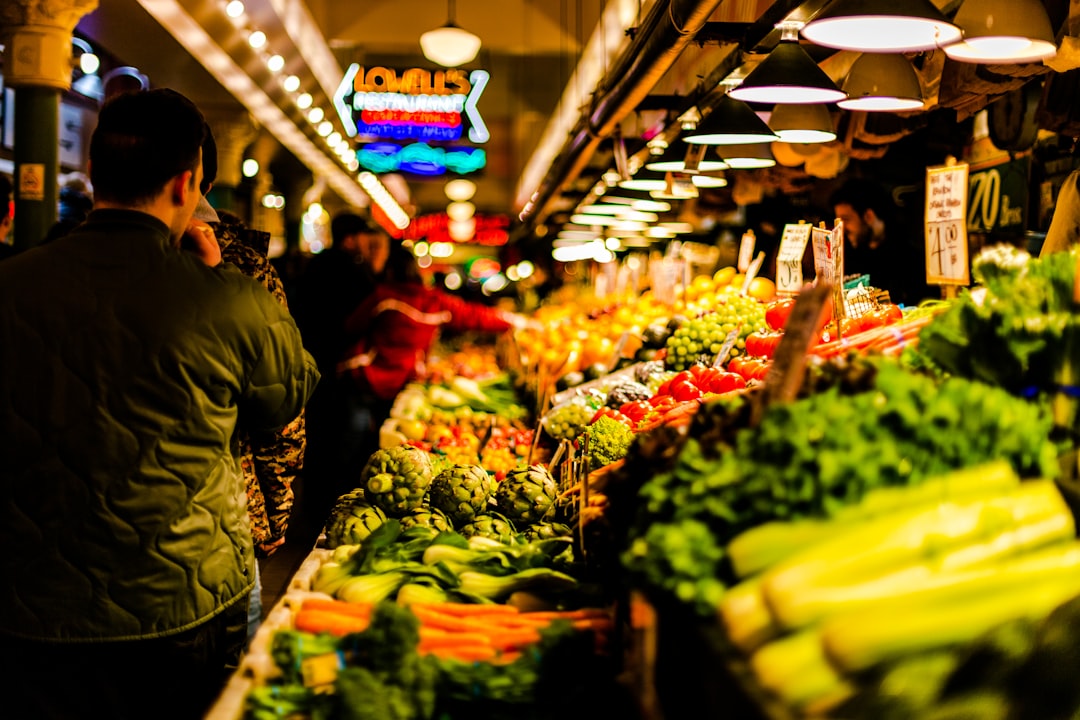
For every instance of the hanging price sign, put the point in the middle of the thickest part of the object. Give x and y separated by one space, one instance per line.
746 250
824 255
789 279
946 228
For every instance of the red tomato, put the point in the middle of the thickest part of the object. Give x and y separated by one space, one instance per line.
777 313
685 390
890 313
736 363
750 368
636 410
762 371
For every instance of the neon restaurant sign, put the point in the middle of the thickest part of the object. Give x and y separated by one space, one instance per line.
417 104
420 159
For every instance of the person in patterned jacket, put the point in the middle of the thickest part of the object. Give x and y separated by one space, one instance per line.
270 462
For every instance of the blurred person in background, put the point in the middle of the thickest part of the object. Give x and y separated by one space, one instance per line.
129 367
76 202
7 217
1064 232
395 327
876 244
333 284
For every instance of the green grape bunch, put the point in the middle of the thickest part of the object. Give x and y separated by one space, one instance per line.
703 337
568 421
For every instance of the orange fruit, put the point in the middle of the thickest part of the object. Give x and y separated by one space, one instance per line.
763 289
724 275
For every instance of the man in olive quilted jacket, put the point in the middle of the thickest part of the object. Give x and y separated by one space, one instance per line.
127 366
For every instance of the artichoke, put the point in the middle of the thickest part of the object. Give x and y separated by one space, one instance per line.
490 525
427 517
462 492
396 479
352 520
547 531
526 495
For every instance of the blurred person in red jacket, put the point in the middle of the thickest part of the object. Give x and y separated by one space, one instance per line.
394 328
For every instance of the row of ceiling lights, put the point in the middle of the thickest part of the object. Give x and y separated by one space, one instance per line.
879 80
314 114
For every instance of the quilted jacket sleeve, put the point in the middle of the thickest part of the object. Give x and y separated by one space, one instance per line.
282 378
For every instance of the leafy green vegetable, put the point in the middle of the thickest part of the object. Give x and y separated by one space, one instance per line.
812 457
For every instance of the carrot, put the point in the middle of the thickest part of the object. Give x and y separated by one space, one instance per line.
464 653
338 606
469 609
453 639
597 624
321 621
506 657
433 618
512 639
582 614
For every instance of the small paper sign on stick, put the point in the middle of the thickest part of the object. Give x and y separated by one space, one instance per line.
789 279
946 225
729 342
746 251
751 273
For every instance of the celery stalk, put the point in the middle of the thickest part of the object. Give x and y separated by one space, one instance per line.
1029 586
745 616
761 547
796 670
912 546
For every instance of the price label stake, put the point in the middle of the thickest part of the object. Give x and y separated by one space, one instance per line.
789 279
746 251
729 342
946 226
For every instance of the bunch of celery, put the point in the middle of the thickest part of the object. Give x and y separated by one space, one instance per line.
905 572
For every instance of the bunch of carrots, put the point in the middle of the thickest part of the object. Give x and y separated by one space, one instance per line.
457 631
885 339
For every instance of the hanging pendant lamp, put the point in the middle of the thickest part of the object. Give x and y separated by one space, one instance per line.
802 124
788 75
748 157
881 26
1003 31
882 82
450 45
646 180
731 122
674 160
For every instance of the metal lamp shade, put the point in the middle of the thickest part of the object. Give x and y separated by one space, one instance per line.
1003 31
802 124
880 82
748 157
731 122
674 160
788 75
881 26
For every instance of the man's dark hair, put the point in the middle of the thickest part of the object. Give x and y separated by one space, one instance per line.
142 140
346 224
862 195
209 161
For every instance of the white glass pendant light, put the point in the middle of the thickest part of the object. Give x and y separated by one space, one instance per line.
880 82
881 26
748 157
1003 31
449 45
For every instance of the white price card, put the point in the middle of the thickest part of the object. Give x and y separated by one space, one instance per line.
828 253
789 279
746 250
946 228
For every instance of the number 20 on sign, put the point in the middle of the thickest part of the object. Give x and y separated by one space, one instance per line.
946 231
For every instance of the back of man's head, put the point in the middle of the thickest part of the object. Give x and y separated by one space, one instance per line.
347 224
143 140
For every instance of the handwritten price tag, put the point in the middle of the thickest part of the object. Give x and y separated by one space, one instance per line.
789 279
946 227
